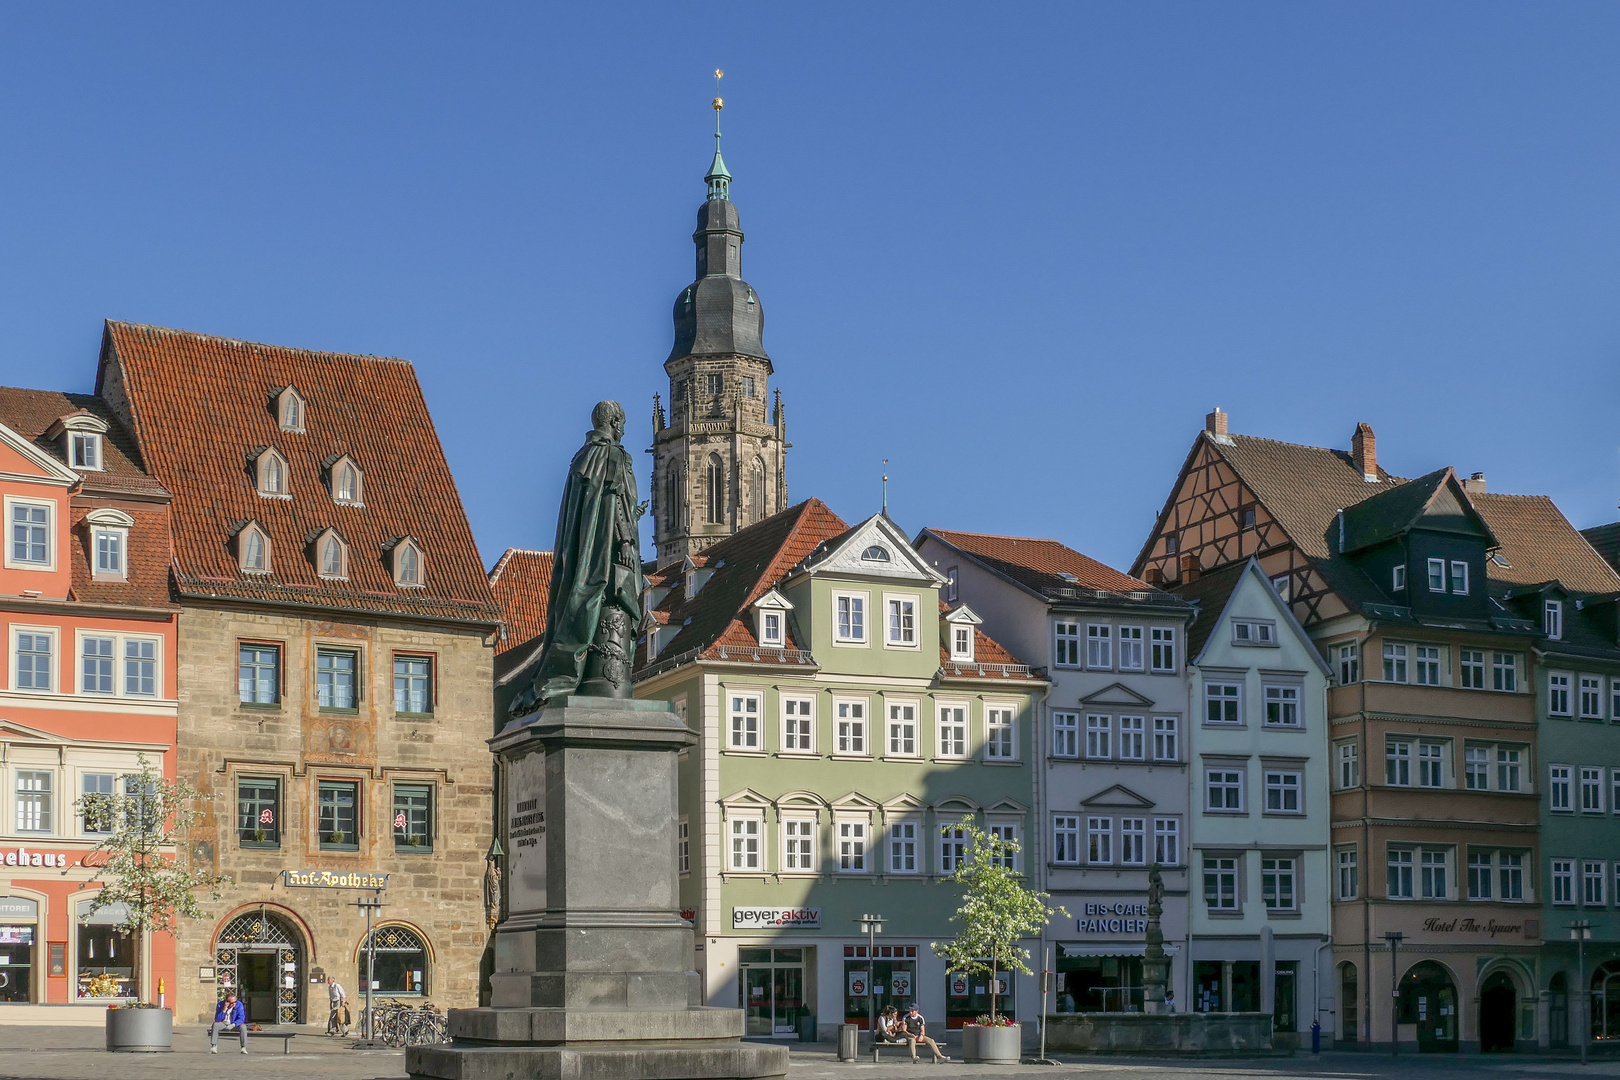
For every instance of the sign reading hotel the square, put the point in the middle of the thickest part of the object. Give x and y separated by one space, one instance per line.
328 879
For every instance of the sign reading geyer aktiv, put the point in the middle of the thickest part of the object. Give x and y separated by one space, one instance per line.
328 879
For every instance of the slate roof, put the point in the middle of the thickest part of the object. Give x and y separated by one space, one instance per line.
1390 512
521 583
1605 540
200 405
1041 565
30 413
1210 591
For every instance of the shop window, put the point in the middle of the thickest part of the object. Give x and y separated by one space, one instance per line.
17 944
1098 983
106 958
968 997
258 811
413 817
338 806
413 685
399 962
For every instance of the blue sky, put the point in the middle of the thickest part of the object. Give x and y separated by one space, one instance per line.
1018 250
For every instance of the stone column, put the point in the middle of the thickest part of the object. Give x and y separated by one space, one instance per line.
593 964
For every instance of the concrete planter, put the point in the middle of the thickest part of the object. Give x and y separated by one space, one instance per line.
985 1045
138 1030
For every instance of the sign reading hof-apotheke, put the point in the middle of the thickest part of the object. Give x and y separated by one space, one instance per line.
744 918
330 879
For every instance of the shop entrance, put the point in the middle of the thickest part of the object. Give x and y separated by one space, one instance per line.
16 963
1429 1000
888 978
261 957
1099 983
1226 986
1497 1013
771 986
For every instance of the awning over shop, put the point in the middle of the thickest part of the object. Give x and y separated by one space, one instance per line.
1124 948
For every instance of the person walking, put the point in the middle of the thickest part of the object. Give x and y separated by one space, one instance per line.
228 1014
916 1029
338 1022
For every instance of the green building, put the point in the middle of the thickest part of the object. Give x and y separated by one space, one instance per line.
845 716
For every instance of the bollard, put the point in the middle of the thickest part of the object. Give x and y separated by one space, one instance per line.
849 1042
1316 1036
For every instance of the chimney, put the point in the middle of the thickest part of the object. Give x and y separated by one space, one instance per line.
1364 452
1155 576
1189 568
1215 422
1475 485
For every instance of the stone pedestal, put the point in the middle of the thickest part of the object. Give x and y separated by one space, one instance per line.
594 974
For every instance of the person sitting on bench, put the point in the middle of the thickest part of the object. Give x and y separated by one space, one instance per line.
228 1014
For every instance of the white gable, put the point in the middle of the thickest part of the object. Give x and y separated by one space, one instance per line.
876 548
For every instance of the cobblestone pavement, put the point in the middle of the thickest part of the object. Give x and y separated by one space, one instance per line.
68 1053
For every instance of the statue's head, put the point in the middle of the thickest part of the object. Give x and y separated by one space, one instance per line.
608 418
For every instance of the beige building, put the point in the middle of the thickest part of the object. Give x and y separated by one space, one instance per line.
335 659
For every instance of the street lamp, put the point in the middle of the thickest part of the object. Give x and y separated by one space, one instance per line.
871 926
1581 932
1394 937
371 905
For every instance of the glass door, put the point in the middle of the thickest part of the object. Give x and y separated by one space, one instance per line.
787 999
757 1006
16 963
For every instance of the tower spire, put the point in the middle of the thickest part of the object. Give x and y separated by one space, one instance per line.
718 179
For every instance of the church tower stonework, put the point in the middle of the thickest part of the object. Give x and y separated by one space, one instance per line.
719 461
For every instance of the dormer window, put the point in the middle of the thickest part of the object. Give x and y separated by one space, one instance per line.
875 553
85 450
770 628
959 634
346 481
1553 619
962 643
109 544
408 570
81 433
332 555
290 410
253 549
270 475
770 619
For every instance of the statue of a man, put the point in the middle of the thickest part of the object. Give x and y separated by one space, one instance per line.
593 608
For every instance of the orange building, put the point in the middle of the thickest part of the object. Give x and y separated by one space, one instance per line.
87 688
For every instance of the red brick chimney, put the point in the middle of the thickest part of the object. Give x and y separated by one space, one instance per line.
1364 451
1189 568
1215 422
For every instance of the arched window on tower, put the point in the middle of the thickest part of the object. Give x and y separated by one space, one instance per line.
756 491
716 490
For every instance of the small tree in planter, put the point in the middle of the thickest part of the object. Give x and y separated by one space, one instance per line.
150 890
997 912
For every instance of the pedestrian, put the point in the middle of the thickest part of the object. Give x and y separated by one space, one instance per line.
1169 1001
888 1026
228 1014
338 1022
916 1028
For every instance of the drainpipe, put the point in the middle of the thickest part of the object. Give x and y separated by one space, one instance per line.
1366 847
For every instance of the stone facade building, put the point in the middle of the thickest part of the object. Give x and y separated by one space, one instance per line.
335 655
719 462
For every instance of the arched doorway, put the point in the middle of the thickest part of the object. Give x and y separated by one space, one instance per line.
260 954
1558 1011
1606 1002
1498 1013
1349 1002
1429 1001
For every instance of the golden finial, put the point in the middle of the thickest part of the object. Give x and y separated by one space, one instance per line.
718 103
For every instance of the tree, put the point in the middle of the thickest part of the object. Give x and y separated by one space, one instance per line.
141 879
997 910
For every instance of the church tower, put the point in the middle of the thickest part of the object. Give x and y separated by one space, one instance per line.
719 463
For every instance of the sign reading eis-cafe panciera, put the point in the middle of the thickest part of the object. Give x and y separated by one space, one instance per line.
327 879
744 918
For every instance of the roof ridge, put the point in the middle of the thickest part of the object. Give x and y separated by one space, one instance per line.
318 353
1001 536
506 557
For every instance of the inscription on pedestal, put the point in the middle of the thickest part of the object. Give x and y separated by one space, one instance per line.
526 832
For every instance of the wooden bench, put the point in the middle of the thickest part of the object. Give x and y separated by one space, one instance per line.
286 1038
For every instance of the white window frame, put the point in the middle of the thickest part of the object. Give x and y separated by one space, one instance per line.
1400 872
1590 690
1099 840
1552 614
119 534
961 642
895 604
1561 788
738 855
1614 699
1346 873
1000 718
952 848
801 844
324 544
253 528
1225 779
1223 698
1349 663
741 735
1459 570
1167 841
1133 841
683 846
1563 874
1012 831
1397 579
55 636
1614 790
1066 839
904 840
798 711
1131 648
1398 761
1347 764
1591 787
1254 632
11 502
1396 655
1505 669
1167 738
1284 869
53 804
1065 734
770 628
261 475
953 720
1476 767
862 600
1282 783
1099 647
1594 872
1067 644
1227 872
1437 575
849 728
1286 698
854 843
120 658
1099 737
1162 644
1472 664
1431 762
895 726
1517 763
1558 694
1131 738
1434 868
1427 665
78 443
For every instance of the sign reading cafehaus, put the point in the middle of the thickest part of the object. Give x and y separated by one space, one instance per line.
326 879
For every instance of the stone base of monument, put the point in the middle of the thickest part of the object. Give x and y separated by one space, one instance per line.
594 974
1160 1035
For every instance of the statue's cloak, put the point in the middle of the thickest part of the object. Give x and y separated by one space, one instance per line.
596 561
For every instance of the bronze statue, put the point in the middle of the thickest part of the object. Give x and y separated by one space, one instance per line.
593 608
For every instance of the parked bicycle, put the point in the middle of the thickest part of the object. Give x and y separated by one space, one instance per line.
396 1023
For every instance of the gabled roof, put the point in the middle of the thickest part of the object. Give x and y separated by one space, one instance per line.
991 660
1216 596
1045 567
1539 544
33 413
521 583
1436 499
197 404
845 553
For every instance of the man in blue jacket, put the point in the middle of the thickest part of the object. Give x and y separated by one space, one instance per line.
228 1014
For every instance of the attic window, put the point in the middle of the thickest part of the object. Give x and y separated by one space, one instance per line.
332 555
81 434
875 553
346 481
1501 560
962 643
408 572
770 628
1553 619
84 450
270 475
290 411
253 549
109 543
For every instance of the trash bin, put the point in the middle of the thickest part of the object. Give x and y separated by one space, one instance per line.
807 1026
849 1042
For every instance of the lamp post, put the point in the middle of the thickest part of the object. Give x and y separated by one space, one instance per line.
1394 937
1581 931
370 905
872 926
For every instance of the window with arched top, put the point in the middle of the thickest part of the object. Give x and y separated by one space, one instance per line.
398 961
875 554
716 490
253 550
348 485
756 490
290 410
272 474
333 556
408 569
672 499
347 481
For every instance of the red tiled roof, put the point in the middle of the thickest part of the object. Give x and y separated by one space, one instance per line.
201 405
31 412
1040 564
521 582
990 658
1540 545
